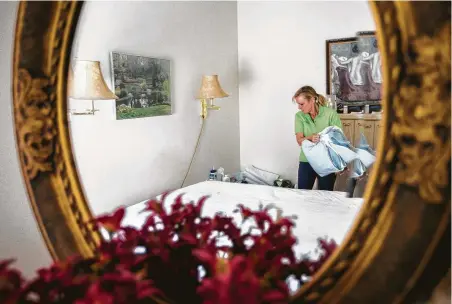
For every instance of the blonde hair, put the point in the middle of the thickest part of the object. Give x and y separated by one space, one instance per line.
309 92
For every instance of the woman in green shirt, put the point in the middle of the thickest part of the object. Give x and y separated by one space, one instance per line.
312 118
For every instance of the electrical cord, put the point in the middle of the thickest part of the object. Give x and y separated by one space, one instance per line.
194 152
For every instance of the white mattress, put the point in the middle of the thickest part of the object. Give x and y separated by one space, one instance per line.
320 213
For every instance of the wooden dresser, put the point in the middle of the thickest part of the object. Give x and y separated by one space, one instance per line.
355 123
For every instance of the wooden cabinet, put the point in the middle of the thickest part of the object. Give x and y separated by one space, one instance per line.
367 124
349 129
366 127
378 126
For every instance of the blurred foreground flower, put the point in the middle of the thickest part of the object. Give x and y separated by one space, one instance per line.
177 256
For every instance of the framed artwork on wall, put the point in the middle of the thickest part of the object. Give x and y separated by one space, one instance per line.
354 69
143 85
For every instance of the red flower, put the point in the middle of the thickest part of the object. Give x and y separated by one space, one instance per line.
276 296
249 267
307 266
327 248
225 224
261 216
112 222
200 205
244 211
10 283
156 205
207 258
234 283
95 295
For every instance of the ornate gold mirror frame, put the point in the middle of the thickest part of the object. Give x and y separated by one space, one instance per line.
399 247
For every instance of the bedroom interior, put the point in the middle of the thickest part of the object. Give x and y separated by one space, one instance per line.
134 160
127 180
116 159
196 98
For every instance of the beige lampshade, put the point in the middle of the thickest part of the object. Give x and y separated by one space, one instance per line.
86 82
211 88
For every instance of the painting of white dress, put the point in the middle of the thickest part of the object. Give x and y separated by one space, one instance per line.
354 68
142 85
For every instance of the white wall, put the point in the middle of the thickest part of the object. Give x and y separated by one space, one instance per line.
281 48
19 234
127 161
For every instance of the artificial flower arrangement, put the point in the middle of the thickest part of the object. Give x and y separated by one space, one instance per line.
175 257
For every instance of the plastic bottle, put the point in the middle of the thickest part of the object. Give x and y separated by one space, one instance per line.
220 174
213 174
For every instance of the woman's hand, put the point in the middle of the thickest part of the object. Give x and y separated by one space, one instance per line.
346 170
315 138
363 176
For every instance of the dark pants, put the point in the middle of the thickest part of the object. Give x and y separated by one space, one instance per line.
307 176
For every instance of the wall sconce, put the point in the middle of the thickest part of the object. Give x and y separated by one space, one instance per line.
210 89
87 83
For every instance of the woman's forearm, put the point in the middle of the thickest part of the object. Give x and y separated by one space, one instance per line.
306 138
301 138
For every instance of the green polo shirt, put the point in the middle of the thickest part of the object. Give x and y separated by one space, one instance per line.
306 125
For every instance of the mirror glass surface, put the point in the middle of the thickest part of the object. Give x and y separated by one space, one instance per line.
137 87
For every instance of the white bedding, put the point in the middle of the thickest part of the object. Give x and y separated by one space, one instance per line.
320 213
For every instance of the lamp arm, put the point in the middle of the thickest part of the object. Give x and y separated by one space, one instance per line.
91 111
204 109
207 104
216 108
194 152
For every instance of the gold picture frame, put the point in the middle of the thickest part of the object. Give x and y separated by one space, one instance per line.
398 249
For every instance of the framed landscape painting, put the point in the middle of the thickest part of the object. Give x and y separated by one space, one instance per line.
354 69
143 85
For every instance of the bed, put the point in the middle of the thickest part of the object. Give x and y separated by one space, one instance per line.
320 213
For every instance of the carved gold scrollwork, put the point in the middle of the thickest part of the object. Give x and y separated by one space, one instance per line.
421 127
35 120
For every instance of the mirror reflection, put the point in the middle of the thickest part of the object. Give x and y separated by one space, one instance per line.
240 101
